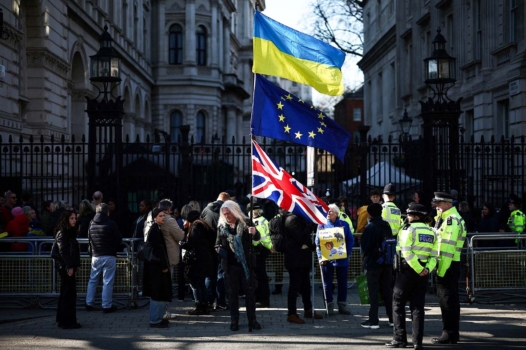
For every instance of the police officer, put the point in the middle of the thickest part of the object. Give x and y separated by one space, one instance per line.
263 248
517 220
390 212
450 229
417 249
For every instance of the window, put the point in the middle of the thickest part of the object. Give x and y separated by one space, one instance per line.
201 46
514 20
176 120
200 128
450 33
176 44
469 124
357 114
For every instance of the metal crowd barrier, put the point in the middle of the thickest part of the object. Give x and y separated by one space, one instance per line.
497 267
30 277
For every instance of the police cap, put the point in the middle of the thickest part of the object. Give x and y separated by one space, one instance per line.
443 197
514 199
255 206
389 189
416 209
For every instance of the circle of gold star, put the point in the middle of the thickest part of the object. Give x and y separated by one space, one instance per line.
298 135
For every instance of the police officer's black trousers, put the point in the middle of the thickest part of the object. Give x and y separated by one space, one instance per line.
447 291
409 286
263 290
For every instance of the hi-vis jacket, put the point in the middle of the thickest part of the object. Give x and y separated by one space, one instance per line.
451 233
262 227
418 246
516 222
393 216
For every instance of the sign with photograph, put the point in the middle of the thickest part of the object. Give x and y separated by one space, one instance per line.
332 243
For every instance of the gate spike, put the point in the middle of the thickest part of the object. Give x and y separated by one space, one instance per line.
20 139
10 138
73 138
31 138
137 139
41 138
63 138
147 138
127 138
233 139
83 138
52 138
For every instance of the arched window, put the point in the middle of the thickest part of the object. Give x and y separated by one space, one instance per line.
200 128
201 46
176 44
176 120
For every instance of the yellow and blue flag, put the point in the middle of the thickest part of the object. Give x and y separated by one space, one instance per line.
284 52
280 115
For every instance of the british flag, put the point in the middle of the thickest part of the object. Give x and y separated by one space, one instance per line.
270 181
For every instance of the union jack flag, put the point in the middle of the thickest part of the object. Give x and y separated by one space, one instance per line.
270 181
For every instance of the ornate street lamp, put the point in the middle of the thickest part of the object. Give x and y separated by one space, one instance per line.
405 124
440 68
105 65
105 120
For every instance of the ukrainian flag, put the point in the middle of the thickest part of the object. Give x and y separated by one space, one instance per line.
284 52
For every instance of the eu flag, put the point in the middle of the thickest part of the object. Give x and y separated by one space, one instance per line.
280 115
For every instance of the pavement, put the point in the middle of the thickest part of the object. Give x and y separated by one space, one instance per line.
483 326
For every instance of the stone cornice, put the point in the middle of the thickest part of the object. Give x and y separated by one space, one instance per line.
42 57
378 51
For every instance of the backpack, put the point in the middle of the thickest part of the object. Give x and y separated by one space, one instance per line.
277 233
388 248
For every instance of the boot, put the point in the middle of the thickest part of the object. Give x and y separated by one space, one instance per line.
294 318
330 308
342 308
197 311
205 309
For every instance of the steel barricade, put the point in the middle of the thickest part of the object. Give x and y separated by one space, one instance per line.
30 277
498 271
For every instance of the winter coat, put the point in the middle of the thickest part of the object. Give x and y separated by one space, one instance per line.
248 248
297 233
45 222
172 235
68 248
84 224
371 241
489 223
156 283
202 243
104 236
349 241
210 213
362 219
18 227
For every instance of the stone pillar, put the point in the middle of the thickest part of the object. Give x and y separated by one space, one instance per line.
239 128
162 40
226 47
220 43
189 32
215 35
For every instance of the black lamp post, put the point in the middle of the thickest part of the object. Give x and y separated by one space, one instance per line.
105 120
440 116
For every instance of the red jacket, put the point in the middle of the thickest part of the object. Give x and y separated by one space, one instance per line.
18 227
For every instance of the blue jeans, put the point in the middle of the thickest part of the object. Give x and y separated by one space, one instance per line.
215 286
199 289
157 310
107 265
341 278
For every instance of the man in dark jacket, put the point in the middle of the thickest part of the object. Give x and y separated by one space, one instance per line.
105 240
378 274
215 285
298 261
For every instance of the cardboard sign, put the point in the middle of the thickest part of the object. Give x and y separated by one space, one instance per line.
332 243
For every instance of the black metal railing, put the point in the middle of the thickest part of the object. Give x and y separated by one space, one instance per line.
151 168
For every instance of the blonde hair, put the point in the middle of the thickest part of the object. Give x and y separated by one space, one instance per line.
234 209
333 207
195 205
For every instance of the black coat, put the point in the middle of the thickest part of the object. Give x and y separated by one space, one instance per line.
489 223
202 243
105 238
371 241
157 284
297 233
248 248
68 248
84 224
210 213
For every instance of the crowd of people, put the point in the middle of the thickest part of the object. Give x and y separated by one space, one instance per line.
222 252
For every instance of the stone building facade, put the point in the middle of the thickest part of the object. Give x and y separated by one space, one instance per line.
183 62
487 38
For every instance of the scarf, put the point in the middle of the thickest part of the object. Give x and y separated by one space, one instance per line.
236 245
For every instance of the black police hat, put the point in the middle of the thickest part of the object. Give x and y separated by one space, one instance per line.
255 206
389 189
514 199
443 197
416 208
